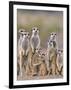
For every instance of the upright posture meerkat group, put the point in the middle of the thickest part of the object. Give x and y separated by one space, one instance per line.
32 58
55 56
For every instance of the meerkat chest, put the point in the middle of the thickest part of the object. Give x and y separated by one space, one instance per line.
35 40
52 51
25 44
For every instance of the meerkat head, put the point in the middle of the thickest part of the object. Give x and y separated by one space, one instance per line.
21 32
60 52
35 31
38 50
53 35
26 35
42 56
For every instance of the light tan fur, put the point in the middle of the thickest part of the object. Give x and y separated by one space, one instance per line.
43 69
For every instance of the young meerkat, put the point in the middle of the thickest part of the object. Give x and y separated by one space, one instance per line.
35 63
35 39
43 66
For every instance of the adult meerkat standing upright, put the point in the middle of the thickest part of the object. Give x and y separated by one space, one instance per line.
19 49
35 39
26 43
52 56
21 33
23 52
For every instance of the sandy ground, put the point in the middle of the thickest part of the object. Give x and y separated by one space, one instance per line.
39 77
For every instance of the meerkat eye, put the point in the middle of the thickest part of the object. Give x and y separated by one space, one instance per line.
28 34
21 31
52 34
43 54
51 41
25 34
61 51
33 28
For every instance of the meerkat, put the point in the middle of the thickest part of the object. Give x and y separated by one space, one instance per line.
60 61
43 66
35 39
24 51
35 63
21 32
53 39
52 55
19 48
26 43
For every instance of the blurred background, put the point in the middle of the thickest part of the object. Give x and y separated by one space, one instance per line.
45 21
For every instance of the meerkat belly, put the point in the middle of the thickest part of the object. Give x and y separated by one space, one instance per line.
35 41
25 45
60 61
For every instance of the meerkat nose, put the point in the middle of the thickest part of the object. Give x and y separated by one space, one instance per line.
36 31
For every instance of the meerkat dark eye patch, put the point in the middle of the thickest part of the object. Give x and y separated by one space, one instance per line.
21 31
58 50
28 34
43 54
24 34
61 51
33 29
51 41
52 34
